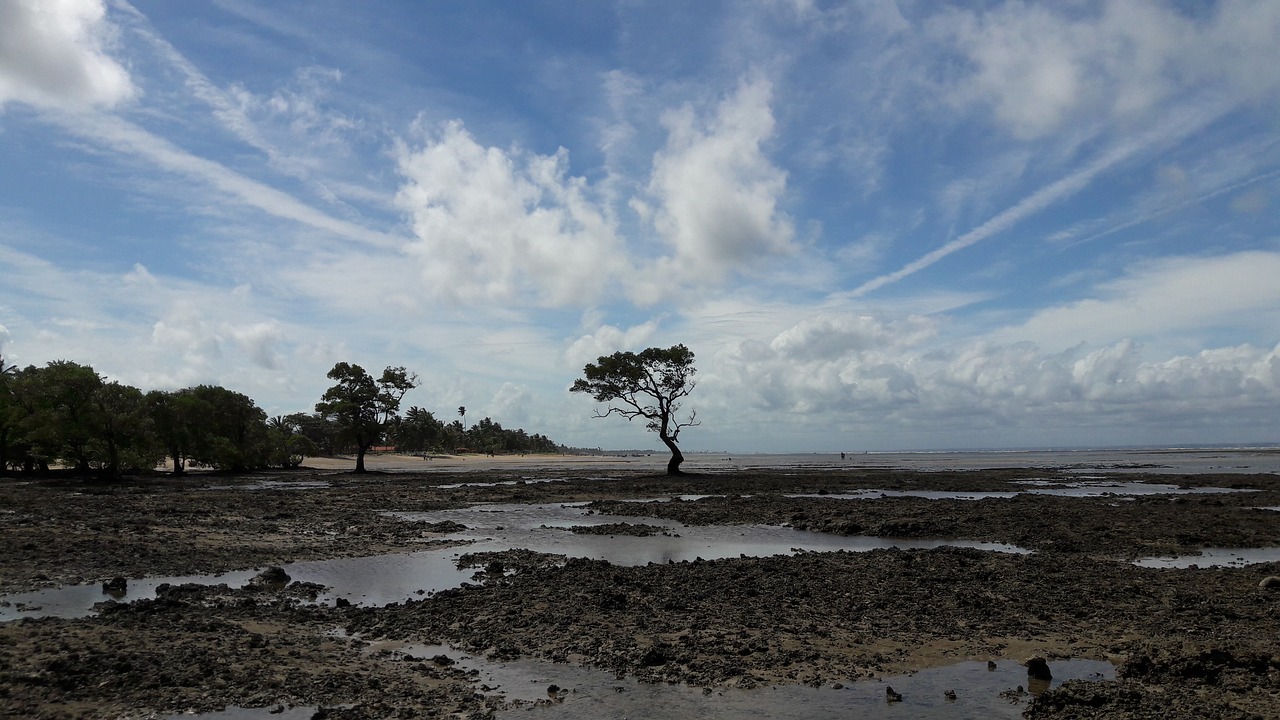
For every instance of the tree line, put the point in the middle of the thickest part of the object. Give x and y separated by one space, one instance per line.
66 415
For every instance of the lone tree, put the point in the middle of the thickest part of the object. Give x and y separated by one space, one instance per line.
363 407
649 385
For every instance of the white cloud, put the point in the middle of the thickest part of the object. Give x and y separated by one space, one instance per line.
1043 66
126 137
511 404
501 226
717 192
831 336
895 386
1172 127
52 54
1172 297
606 340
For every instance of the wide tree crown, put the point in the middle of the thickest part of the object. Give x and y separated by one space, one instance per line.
648 384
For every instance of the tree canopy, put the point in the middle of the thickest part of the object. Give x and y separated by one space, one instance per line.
362 407
66 416
650 385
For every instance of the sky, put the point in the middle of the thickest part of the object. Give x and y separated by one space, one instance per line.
878 225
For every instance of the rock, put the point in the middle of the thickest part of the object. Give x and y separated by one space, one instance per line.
119 586
1271 582
891 696
1038 669
654 657
991 665
273 577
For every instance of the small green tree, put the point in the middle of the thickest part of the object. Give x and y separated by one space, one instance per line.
649 385
363 407
289 447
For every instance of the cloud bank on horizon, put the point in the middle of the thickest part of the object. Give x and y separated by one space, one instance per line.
878 225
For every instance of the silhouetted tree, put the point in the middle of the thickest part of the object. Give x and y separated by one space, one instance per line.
647 385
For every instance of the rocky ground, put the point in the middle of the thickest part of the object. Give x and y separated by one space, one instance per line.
1188 643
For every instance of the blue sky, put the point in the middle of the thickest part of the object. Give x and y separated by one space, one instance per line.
878 225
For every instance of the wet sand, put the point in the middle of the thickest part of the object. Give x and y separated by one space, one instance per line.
1189 642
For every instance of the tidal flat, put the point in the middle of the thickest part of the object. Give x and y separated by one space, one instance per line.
737 590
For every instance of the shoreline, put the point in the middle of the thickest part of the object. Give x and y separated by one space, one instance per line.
800 618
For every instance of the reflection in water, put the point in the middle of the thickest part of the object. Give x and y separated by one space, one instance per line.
499 483
1214 557
587 693
384 579
542 528
1081 489
275 485
273 712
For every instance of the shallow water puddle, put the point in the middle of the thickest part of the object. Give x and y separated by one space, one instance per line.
373 580
544 528
276 485
384 579
588 693
263 713
1082 489
501 483
1214 557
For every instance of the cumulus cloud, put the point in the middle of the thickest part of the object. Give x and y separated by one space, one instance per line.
717 192
606 340
883 376
1042 66
53 54
498 225
1107 363
832 336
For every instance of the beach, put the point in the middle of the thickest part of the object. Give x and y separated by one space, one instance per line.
805 574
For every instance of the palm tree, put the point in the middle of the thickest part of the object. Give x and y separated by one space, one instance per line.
462 410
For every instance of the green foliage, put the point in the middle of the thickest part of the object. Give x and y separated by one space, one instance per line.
122 437
362 407
172 415
650 385
227 430
289 447
65 414
8 412
55 412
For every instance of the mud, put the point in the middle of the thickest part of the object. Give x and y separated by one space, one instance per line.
1191 642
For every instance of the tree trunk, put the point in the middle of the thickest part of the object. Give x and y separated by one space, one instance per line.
673 465
360 449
